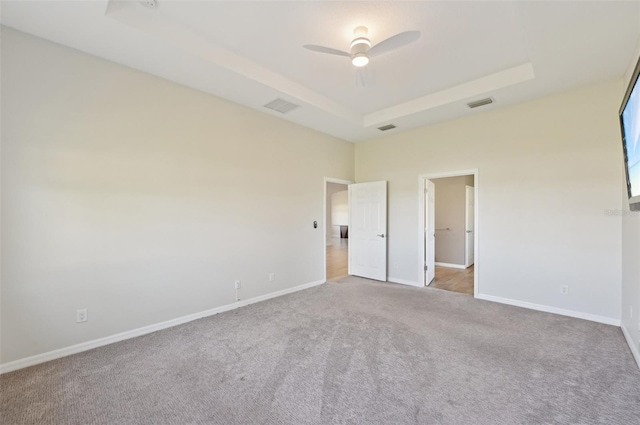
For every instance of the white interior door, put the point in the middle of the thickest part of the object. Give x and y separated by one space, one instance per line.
470 221
430 232
368 230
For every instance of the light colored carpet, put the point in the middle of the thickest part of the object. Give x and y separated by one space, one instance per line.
349 352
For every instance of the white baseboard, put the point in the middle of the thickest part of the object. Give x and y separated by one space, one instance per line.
403 281
548 309
632 346
452 266
89 345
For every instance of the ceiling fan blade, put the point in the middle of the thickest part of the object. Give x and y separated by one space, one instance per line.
328 50
394 42
364 77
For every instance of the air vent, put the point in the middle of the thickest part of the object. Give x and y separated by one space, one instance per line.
387 127
481 102
281 106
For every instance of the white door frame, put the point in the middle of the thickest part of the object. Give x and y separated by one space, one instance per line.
430 225
422 224
467 263
324 221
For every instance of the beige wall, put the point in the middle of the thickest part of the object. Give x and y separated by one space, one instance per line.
548 170
450 206
142 200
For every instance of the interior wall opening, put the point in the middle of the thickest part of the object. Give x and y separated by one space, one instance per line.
337 229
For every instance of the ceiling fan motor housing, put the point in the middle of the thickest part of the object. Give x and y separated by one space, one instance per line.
360 45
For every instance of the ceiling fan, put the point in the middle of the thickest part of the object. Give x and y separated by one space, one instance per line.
362 51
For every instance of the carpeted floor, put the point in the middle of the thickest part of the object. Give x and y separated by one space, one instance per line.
349 352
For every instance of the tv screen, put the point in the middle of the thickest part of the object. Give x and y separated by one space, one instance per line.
630 122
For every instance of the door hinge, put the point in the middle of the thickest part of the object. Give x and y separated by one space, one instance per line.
426 268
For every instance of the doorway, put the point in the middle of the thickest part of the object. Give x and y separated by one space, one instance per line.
448 237
336 235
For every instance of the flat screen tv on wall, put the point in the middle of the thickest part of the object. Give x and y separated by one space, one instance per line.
630 125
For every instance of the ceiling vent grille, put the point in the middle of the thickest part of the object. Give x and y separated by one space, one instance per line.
481 102
387 127
281 105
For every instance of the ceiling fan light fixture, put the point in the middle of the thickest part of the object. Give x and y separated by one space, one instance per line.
361 49
360 59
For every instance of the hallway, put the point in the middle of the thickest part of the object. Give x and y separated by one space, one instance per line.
337 258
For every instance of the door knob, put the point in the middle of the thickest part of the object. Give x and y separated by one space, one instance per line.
381 235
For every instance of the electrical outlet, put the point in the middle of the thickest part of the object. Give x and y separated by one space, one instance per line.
564 289
272 277
81 315
237 284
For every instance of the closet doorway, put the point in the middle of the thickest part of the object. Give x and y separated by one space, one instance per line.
448 231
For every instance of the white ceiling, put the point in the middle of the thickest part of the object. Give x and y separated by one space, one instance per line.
250 52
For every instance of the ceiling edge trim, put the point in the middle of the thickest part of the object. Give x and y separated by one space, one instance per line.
498 80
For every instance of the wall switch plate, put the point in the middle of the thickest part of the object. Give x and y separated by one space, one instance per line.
272 277
237 284
564 289
81 315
